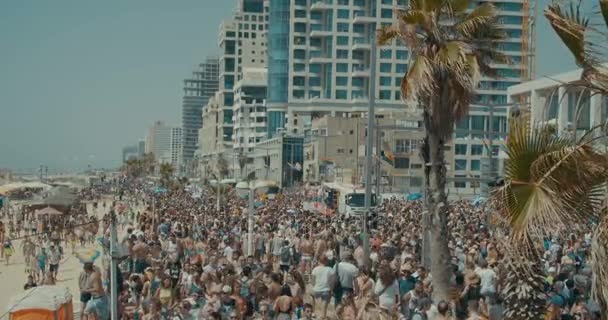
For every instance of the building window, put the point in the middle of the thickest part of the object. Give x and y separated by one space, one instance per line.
386 53
460 184
475 165
402 146
342 27
341 94
416 166
460 164
385 95
401 68
340 151
343 14
342 54
476 149
342 40
402 163
386 13
385 81
351 132
341 81
460 149
401 54
415 181
341 67
385 67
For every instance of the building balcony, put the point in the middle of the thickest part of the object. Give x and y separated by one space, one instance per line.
321 33
361 44
320 59
318 5
363 17
360 71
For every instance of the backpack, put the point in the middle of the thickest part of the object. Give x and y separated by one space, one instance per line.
285 254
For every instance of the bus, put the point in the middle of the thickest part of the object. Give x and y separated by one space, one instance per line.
347 200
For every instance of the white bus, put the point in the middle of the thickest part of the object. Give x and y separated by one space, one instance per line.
346 199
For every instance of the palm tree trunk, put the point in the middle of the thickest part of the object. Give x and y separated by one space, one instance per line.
524 287
436 219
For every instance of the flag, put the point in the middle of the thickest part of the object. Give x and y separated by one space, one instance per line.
386 154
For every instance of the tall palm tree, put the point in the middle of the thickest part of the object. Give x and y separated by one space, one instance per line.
551 183
166 172
452 44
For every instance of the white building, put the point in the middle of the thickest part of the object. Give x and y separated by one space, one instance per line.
250 110
165 142
552 100
242 43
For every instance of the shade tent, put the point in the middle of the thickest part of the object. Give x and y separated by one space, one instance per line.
59 198
42 303
23 185
48 211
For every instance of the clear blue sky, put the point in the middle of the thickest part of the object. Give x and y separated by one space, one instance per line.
80 79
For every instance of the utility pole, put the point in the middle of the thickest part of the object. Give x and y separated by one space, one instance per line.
378 159
370 144
217 203
487 165
250 221
113 266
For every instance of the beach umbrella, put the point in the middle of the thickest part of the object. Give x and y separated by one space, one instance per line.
414 196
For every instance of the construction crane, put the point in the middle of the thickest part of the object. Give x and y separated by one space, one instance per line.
528 37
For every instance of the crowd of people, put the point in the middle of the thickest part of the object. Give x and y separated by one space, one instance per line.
186 260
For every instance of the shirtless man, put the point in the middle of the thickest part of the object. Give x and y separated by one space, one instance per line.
307 250
97 307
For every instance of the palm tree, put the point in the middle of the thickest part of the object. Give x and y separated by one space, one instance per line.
451 48
585 37
166 172
550 184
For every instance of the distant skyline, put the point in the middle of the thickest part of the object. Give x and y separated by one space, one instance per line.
82 79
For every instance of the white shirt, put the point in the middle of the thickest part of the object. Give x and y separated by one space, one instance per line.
387 298
228 253
54 256
488 280
347 273
321 276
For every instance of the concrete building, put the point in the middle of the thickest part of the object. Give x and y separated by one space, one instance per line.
242 43
319 63
129 152
336 152
249 110
279 159
197 90
165 142
550 100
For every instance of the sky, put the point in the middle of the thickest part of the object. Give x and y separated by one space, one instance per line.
80 79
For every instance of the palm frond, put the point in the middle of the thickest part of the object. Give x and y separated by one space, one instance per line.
418 78
477 19
550 181
458 6
604 10
570 28
386 34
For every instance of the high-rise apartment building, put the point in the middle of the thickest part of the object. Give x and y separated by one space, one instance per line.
319 63
242 42
250 121
165 142
197 91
